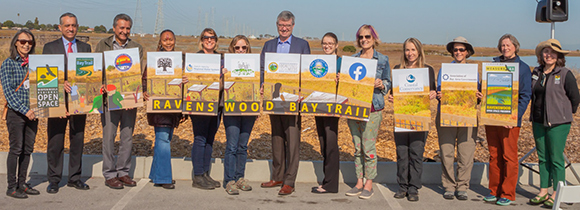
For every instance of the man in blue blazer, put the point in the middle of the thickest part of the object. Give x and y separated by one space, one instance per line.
285 128
56 127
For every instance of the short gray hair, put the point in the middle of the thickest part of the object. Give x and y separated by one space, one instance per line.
68 14
285 16
122 16
512 38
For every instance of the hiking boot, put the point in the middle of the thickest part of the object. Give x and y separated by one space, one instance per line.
400 194
243 185
215 183
449 195
461 195
200 182
232 188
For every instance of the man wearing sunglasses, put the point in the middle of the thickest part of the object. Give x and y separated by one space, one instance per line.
117 173
56 127
285 128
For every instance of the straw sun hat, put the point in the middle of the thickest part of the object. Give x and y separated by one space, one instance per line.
552 43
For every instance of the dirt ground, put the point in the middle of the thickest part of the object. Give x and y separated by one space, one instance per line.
260 144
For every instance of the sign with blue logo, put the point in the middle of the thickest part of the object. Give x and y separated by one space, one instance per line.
357 71
318 68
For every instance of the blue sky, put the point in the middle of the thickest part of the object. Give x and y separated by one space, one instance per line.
482 22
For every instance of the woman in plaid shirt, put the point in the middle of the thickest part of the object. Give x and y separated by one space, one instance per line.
20 120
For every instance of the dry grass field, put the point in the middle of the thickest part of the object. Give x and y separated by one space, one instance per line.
260 146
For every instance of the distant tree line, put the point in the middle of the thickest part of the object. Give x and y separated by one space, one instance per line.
50 27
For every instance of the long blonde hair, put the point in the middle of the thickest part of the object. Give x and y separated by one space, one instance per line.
420 57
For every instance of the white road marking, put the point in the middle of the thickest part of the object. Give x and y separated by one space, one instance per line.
129 196
390 200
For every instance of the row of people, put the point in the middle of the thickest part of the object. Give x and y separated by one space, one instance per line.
553 103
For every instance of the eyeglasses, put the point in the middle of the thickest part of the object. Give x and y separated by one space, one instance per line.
328 43
364 37
210 37
24 41
243 47
282 25
459 49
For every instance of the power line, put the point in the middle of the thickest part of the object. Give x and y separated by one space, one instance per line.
138 19
159 20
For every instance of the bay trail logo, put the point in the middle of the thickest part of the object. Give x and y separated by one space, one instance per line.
273 67
318 68
357 71
410 78
123 62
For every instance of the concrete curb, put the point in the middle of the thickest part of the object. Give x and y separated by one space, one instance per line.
259 170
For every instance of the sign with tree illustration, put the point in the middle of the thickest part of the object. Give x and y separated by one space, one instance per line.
318 86
46 83
123 78
85 75
500 94
356 83
202 92
242 84
458 100
164 70
411 99
281 83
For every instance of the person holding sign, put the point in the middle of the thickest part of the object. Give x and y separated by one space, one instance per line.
116 172
364 134
555 99
56 127
285 128
411 145
20 119
164 124
327 129
460 50
205 127
503 140
238 131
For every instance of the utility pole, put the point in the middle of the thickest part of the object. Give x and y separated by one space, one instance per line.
138 19
159 20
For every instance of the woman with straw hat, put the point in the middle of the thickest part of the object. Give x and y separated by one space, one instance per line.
555 99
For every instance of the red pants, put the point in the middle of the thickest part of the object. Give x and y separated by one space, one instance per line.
503 160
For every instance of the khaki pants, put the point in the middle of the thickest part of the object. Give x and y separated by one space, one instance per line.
465 139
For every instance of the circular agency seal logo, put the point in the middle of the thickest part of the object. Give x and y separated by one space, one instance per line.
445 77
189 68
318 68
410 78
123 62
357 71
273 67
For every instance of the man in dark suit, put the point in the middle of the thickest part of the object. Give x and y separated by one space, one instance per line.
285 128
56 126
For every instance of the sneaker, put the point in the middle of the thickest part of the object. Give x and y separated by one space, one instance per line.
354 191
490 198
365 194
16 193
504 202
29 190
448 195
243 185
461 195
232 188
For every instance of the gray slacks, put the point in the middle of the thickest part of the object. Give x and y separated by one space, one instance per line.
111 120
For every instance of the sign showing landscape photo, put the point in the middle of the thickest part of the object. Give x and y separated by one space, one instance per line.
202 91
500 94
318 86
164 76
411 99
458 100
123 75
85 75
356 83
242 84
281 83
46 83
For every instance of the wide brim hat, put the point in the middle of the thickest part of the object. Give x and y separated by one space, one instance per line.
460 40
552 43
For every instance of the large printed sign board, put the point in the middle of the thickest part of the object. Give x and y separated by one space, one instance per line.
46 82
164 77
202 91
318 85
411 99
242 84
281 83
123 75
500 82
356 84
85 75
458 100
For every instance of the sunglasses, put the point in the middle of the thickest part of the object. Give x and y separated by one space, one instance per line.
210 37
459 49
365 36
238 47
24 41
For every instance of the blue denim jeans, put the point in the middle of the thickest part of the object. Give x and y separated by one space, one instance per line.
238 130
204 130
161 165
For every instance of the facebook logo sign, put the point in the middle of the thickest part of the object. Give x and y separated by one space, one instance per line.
357 71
